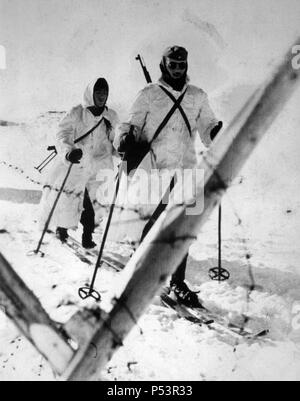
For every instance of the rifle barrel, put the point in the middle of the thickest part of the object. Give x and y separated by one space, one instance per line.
144 68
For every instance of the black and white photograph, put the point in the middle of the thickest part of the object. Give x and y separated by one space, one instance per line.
149 193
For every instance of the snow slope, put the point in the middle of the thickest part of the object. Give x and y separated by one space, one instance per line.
171 348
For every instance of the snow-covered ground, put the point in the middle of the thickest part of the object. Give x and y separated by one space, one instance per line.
170 348
232 46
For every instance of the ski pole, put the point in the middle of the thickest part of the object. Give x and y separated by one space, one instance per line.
35 252
216 273
89 291
45 163
144 68
219 273
48 159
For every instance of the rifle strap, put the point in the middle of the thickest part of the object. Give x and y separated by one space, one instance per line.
89 132
179 108
176 105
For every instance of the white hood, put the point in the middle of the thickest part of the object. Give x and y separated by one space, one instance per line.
88 97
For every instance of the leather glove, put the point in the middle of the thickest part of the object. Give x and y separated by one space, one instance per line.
74 156
214 132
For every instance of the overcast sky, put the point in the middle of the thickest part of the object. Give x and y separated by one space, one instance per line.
55 47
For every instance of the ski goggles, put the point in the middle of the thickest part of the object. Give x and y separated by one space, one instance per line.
176 65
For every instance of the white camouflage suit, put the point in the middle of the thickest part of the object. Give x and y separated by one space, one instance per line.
174 148
97 154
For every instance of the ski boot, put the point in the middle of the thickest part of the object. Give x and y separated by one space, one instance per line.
87 241
62 234
184 295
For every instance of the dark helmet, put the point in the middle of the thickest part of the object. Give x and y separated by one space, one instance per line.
176 53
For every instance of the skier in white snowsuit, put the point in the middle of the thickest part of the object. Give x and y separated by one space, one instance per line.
174 147
91 154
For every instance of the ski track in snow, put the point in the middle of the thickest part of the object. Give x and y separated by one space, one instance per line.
171 348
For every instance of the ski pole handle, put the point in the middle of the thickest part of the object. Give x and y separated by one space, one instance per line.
48 159
52 148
